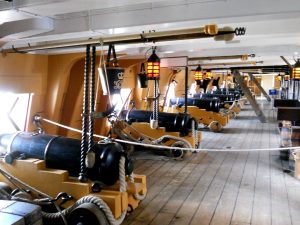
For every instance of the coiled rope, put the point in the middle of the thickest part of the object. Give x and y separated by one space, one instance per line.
86 199
97 201
15 180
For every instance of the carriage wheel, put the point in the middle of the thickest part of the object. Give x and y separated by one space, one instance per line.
87 214
215 126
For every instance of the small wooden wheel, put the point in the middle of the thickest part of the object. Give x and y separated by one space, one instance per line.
232 115
87 214
215 126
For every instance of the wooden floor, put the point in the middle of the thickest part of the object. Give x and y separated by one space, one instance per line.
219 188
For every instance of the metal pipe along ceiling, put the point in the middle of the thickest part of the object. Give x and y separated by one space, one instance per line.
228 63
193 33
211 58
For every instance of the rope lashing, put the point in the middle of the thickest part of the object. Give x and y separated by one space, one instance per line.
296 148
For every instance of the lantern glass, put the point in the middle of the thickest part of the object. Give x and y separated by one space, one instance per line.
153 67
278 77
198 74
208 75
296 70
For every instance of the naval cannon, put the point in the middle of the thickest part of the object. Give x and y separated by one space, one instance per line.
174 130
64 153
223 98
236 92
228 102
206 111
44 168
173 122
207 104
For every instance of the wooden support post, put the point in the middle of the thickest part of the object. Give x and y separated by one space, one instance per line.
186 89
259 87
239 79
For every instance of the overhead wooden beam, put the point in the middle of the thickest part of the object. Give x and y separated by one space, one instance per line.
240 80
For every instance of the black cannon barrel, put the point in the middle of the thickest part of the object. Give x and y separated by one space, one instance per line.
207 104
64 153
223 98
173 122
237 90
236 93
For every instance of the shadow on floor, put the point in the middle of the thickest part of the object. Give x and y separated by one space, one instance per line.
246 117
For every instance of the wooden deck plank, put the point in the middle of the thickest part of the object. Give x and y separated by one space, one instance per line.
208 204
220 139
155 165
222 188
162 218
176 201
279 198
262 199
243 208
225 205
145 166
294 203
261 213
190 205
179 196
149 213
162 182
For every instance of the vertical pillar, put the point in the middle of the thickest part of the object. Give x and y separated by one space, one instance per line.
239 79
186 89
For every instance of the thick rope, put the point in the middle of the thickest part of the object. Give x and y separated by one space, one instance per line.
161 139
86 199
92 100
89 199
137 196
84 141
195 133
174 148
122 175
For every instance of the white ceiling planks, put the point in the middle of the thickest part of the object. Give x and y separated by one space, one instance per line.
272 25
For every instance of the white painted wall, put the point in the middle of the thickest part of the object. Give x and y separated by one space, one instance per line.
267 82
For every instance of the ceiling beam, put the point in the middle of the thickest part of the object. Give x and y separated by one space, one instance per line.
24 28
207 31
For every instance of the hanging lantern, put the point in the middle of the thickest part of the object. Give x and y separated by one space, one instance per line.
296 70
153 67
208 74
278 77
198 74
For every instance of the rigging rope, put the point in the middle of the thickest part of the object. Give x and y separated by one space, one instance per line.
173 148
85 118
